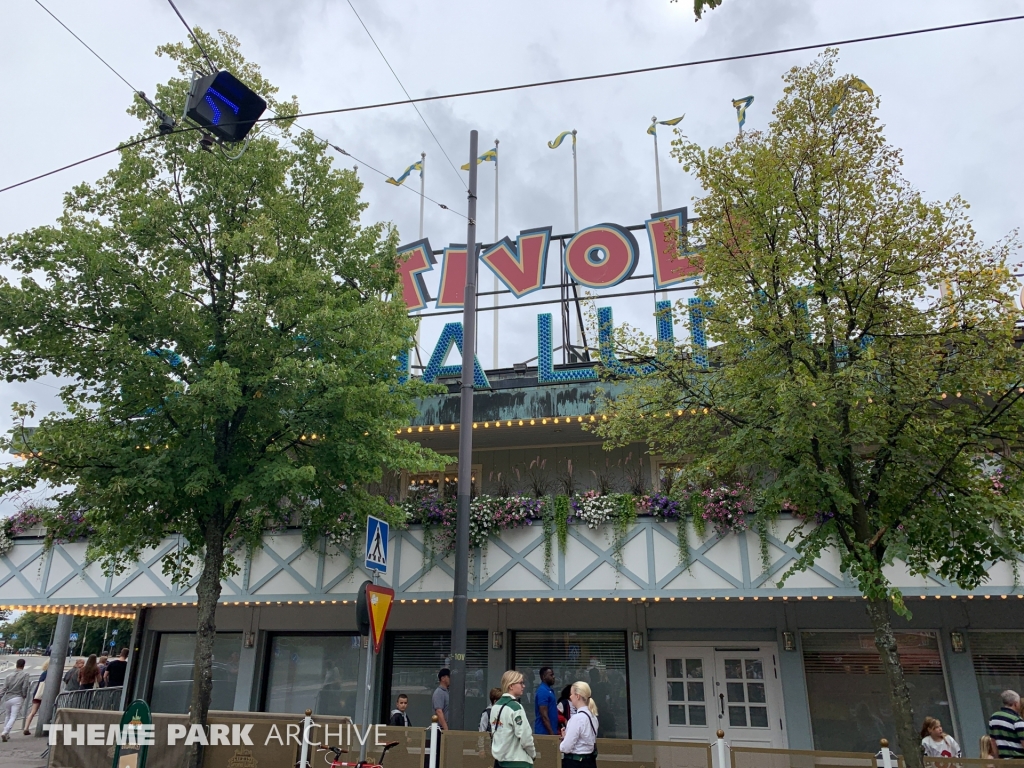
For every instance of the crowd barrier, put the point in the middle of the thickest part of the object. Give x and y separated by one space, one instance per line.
458 749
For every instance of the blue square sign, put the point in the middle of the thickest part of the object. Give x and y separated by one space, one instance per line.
376 545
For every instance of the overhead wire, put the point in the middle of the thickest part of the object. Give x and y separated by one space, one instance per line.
213 67
135 90
539 84
406 92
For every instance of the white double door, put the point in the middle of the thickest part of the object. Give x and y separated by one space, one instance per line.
700 689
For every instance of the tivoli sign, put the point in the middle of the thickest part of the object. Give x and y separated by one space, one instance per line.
601 256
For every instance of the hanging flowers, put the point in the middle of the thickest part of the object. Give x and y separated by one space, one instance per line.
727 507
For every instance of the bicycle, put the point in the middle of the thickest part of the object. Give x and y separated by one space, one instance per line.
338 752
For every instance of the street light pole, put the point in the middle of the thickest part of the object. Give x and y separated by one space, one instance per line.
457 689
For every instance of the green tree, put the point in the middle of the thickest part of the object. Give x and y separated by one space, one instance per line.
227 331
864 367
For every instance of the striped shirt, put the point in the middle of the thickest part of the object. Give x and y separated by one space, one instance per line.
1007 730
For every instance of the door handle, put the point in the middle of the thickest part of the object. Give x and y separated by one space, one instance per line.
721 705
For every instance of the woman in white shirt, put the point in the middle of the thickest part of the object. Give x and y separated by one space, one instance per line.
578 744
935 743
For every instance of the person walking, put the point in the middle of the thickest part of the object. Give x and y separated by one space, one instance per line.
37 698
70 678
935 743
485 716
399 717
440 699
117 670
511 737
1007 728
579 745
545 705
101 664
15 690
89 675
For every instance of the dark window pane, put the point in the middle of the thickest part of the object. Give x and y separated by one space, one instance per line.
755 670
738 716
317 672
847 690
998 665
698 716
676 714
695 691
695 668
673 668
734 691
415 659
677 691
755 693
172 677
759 717
733 669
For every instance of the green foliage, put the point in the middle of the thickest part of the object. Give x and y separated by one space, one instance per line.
562 512
625 517
548 523
35 630
700 5
842 383
228 333
865 371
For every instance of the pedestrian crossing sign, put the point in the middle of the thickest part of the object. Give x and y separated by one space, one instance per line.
376 545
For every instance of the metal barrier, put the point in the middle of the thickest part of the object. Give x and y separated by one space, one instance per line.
103 699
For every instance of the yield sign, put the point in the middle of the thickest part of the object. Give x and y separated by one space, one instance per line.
379 601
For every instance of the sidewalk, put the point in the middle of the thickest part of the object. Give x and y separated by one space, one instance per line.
22 751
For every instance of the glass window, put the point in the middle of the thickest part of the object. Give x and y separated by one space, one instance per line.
848 692
316 672
998 665
597 658
172 674
415 658
691 691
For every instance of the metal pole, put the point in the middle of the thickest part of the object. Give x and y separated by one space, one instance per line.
457 691
496 236
368 690
423 183
657 177
575 218
657 167
55 672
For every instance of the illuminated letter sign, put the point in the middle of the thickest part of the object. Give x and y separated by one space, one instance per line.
601 256
520 267
670 263
453 277
413 261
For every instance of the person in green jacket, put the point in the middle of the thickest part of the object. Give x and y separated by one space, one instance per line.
511 734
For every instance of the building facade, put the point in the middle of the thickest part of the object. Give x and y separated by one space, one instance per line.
677 640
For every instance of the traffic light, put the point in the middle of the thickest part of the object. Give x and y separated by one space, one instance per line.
225 107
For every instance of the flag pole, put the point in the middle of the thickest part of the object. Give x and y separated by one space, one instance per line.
495 277
657 166
423 181
576 218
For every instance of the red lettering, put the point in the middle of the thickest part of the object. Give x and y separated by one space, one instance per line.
520 267
671 264
601 256
452 291
413 261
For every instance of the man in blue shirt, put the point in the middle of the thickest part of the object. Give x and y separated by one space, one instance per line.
545 705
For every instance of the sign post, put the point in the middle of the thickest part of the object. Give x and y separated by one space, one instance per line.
377 602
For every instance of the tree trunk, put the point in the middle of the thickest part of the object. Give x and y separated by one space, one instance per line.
208 593
899 692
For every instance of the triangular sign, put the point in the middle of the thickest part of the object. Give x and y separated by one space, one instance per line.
379 600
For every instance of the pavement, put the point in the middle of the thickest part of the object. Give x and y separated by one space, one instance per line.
22 751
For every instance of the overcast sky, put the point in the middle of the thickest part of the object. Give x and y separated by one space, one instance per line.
949 99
